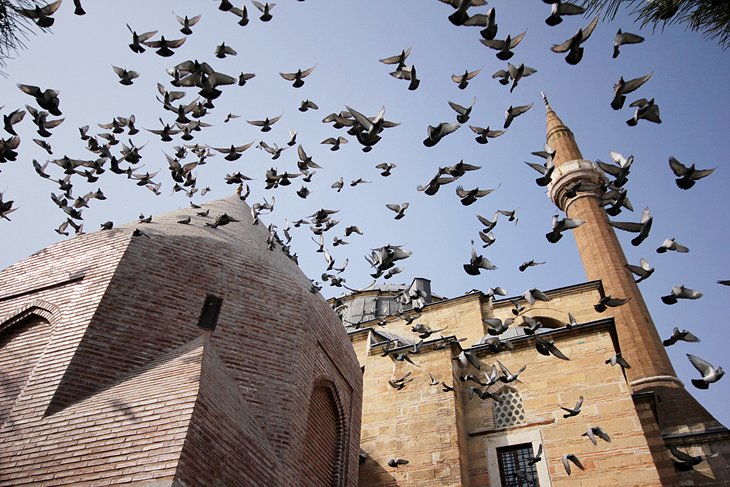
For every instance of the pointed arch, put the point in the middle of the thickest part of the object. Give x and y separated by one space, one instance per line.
39 307
24 336
323 459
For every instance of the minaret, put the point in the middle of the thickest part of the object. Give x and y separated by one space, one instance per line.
604 260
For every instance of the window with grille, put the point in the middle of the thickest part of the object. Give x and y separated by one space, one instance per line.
510 411
514 468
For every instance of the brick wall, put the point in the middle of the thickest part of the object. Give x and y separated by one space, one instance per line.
322 459
141 297
20 348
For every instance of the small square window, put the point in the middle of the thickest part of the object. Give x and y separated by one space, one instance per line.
514 468
209 314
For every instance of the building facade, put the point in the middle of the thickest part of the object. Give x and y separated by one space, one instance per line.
157 354
436 395
160 354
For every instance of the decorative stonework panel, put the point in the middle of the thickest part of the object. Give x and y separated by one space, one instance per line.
510 411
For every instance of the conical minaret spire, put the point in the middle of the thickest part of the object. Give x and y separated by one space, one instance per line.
576 189
560 137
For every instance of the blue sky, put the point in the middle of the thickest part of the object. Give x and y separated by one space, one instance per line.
344 40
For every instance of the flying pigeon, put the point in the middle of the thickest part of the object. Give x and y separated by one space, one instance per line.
680 335
573 45
686 176
710 373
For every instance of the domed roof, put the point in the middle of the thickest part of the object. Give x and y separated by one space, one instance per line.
152 285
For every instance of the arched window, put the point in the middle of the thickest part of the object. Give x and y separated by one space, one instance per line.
324 453
509 411
22 341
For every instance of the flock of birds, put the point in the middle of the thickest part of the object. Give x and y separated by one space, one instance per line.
185 121
498 377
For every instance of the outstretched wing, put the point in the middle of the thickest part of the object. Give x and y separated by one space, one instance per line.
704 367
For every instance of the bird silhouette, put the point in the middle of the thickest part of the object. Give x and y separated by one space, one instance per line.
573 45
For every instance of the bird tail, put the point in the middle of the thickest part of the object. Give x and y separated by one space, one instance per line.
489 33
574 56
553 20
618 103
684 183
458 18
504 55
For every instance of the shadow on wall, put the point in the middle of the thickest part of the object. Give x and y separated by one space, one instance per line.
372 474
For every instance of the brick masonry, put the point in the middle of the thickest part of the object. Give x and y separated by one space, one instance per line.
122 309
604 259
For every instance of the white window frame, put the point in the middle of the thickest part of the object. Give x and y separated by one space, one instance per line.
532 436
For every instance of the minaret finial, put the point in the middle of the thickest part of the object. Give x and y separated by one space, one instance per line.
544 98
